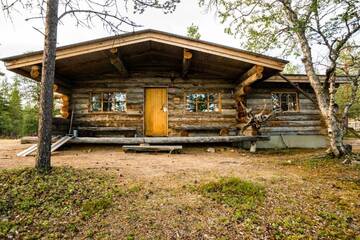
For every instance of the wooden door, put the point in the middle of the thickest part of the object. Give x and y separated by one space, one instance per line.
156 112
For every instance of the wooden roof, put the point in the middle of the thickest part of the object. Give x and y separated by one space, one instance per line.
147 50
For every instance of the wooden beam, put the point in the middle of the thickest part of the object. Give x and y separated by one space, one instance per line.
35 71
116 61
249 77
298 88
252 74
187 56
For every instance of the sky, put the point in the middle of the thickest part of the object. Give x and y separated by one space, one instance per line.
18 36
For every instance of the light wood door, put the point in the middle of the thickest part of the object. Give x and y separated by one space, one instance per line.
156 112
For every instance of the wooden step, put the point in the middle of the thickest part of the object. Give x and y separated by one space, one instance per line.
152 148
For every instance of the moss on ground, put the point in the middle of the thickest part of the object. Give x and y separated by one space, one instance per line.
54 205
243 196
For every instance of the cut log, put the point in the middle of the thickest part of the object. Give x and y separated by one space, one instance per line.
116 61
186 62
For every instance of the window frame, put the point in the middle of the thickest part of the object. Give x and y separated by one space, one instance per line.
219 97
113 101
287 92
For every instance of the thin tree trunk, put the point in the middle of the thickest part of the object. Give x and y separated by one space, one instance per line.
325 97
47 80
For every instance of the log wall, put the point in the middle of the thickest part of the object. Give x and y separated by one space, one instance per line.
306 121
179 119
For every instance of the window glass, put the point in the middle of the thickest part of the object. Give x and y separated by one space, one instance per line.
292 106
276 101
108 102
284 101
96 102
120 102
202 102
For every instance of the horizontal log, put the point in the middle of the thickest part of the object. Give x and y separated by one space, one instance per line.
107 129
167 140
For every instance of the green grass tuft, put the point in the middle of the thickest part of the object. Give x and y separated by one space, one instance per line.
243 196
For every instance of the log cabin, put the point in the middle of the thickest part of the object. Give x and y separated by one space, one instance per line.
155 85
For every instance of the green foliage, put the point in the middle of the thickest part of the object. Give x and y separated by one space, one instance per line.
193 32
265 25
54 205
291 69
243 196
18 107
342 97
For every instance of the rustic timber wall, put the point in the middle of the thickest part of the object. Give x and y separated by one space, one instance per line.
179 119
306 121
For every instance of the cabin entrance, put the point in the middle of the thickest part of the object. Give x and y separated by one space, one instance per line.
156 112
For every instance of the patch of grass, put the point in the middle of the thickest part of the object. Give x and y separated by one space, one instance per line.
243 196
54 205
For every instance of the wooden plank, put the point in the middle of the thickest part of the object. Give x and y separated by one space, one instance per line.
145 148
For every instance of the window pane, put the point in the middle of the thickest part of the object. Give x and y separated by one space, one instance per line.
284 102
191 103
275 97
108 96
96 106
292 102
120 106
107 106
202 106
119 96
96 97
213 102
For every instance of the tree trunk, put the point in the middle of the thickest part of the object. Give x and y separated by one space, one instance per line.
326 101
325 96
47 81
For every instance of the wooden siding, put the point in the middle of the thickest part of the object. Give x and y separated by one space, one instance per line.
178 117
306 121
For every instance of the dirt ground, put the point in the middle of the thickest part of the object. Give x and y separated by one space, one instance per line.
307 197
148 165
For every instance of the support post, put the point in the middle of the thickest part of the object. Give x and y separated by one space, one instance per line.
253 146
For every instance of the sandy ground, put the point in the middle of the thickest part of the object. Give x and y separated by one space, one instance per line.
144 165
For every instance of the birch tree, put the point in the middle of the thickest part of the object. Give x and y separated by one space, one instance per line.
111 13
318 31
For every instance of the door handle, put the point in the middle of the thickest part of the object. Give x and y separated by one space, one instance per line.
164 108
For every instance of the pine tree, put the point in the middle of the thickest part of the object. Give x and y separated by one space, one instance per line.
15 111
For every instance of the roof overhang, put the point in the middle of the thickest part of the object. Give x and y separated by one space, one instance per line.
210 57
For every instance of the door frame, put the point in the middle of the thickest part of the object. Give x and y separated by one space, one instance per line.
167 105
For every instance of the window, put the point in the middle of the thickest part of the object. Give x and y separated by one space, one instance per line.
203 102
108 102
285 101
